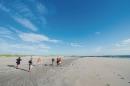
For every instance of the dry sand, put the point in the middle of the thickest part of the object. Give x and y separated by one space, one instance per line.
73 72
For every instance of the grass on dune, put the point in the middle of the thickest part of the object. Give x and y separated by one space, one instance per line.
7 56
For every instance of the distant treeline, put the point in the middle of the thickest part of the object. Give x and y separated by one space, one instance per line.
9 55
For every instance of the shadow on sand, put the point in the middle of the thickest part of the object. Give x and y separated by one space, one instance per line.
52 65
13 66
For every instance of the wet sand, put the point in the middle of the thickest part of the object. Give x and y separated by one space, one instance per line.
73 72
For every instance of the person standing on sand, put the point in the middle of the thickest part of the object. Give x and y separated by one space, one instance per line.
58 61
18 62
39 61
30 64
53 61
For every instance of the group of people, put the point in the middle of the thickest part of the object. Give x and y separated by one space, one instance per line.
18 61
30 62
58 61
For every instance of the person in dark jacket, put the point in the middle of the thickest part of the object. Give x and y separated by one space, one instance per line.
53 61
30 64
18 60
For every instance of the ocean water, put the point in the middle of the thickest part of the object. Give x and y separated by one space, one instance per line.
123 57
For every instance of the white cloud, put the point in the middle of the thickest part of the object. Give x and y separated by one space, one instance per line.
14 29
26 23
126 42
8 37
98 33
99 49
22 13
23 48
5 31
122 46
75 45
122 49
123 43
54 41
32 37
41 8
4 8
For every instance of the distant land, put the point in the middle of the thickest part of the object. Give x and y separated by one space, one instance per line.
118 56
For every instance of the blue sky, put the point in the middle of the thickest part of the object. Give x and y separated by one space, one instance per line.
65 27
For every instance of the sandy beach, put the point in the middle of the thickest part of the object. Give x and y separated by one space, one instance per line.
73 72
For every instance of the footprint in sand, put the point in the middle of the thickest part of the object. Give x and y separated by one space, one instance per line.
118 74
121 77
99 77
108 84
113 72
